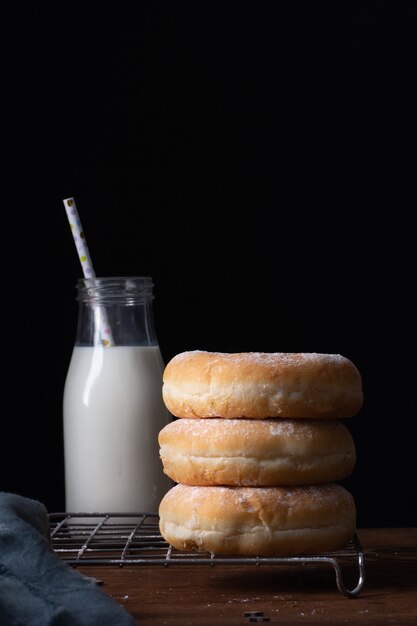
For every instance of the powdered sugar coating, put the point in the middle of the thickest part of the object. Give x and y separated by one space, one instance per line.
246 429
264 358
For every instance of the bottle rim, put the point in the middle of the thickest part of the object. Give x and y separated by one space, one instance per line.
112 289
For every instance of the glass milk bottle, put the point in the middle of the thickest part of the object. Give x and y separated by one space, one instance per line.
113 408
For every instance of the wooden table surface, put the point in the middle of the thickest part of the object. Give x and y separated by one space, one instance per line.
235 594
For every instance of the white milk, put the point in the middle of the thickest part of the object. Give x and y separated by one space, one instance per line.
113 412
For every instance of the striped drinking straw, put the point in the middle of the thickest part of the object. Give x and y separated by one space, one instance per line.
87 266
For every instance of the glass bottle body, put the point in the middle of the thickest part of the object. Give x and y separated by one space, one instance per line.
113 408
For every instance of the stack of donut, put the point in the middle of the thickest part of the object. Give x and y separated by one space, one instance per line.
257 452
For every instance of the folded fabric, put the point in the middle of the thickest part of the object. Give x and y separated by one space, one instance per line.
36 587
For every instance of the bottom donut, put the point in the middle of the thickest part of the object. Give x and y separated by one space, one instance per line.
258 521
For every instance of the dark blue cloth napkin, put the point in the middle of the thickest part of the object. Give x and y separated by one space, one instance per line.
36 587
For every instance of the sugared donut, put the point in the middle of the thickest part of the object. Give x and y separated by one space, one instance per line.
258 521
246 452
200 384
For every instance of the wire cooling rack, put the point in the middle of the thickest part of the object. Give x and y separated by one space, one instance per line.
134 539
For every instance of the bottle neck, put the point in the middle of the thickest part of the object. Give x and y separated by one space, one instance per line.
125 290
115 312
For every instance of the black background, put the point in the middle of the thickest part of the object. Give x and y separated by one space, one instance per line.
259 163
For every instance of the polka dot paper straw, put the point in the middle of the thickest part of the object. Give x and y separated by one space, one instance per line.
87 266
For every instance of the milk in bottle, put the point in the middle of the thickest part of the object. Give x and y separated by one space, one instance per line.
113 408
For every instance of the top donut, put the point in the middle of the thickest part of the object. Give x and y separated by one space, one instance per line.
260 385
